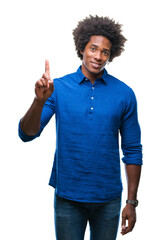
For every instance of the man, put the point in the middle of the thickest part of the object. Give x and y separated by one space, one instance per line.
91 109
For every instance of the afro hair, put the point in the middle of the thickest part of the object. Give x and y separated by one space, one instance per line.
101 26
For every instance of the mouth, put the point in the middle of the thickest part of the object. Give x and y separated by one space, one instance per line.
96 65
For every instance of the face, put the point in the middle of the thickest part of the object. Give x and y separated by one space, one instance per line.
95 56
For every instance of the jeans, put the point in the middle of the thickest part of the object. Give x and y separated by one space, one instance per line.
71 219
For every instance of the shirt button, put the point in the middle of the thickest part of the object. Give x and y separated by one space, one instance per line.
92 87
86 79
92 97
91 108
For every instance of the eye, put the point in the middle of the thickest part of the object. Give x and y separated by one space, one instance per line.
106 53
93 49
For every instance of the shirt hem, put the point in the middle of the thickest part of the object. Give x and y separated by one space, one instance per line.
91 201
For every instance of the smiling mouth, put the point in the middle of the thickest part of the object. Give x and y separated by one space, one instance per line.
95 65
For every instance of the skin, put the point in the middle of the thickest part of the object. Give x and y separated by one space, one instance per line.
95 57
133 173
44 87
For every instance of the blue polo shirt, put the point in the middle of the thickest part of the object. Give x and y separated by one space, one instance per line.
89 119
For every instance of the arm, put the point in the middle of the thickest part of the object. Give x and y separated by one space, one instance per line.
30 123
133 173
132 151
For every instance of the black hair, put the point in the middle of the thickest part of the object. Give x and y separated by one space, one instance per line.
101 26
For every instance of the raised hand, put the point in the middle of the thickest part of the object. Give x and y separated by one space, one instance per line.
44 87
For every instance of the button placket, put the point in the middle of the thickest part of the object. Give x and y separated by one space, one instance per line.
92 100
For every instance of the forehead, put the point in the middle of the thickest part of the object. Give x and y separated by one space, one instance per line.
100 41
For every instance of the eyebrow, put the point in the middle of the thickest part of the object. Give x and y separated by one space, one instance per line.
105 49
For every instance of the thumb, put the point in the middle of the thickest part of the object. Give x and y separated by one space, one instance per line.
123 224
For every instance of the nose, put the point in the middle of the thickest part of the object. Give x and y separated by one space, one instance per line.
98 56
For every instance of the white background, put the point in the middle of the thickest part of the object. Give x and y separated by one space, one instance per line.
32 31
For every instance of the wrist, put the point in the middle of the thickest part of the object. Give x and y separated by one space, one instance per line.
40 102
133 203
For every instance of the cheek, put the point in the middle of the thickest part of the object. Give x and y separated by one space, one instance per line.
106 61
86 57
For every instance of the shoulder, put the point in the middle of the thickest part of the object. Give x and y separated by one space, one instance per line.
65 78
120 86
64 83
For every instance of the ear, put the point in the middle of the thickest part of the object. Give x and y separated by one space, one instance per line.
81 52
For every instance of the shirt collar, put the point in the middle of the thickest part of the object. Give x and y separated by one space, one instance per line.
81 77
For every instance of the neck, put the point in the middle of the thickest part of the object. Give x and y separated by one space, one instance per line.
90 75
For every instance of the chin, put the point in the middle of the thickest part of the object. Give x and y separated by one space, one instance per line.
96 71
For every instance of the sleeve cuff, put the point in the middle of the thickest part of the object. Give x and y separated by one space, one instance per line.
132 161
24 137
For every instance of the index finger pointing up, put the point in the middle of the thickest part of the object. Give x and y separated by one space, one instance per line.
47 70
